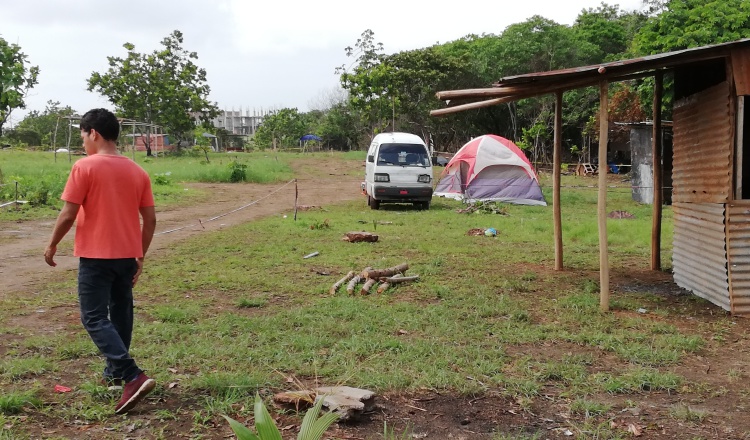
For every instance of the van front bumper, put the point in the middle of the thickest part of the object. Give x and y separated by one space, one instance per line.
402 193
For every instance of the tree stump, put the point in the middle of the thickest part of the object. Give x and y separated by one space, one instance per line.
356 237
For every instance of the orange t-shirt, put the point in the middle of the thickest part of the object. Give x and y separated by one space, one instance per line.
110 190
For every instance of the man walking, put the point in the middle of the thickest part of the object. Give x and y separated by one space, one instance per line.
106 193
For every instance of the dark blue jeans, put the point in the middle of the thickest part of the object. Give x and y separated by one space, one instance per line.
105 294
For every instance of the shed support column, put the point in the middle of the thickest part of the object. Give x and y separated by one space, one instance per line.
556 208
656 145
602 202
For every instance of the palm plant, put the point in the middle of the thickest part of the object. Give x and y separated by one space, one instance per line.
313 427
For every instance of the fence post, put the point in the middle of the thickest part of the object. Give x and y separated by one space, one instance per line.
16 204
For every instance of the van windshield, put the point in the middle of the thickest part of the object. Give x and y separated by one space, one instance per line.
403 155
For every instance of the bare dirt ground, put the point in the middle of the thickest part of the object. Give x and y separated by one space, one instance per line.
717 393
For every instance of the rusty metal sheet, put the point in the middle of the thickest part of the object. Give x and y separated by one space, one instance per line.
738 245
699 257
702 147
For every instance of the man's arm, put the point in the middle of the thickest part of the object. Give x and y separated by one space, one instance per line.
63 224
148 214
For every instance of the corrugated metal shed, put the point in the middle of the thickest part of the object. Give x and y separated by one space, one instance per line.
738 240
711 252
702 169
699 256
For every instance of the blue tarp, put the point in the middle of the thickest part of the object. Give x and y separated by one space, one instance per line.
310 137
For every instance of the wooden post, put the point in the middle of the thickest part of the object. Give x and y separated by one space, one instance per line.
133 151
556 208
67 144
656 145
602 202
296 196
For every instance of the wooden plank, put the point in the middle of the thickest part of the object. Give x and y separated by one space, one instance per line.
741 70
602 201
556 171
656 145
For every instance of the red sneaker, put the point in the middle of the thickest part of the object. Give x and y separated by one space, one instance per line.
134 391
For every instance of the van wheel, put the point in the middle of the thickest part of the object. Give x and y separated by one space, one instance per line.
423 206
374 204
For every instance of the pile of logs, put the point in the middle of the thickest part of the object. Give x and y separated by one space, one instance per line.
371 277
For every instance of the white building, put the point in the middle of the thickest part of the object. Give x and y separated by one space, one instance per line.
241 122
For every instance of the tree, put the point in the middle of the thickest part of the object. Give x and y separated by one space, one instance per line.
365 84
339 128
682 24
609 29
44 124
281 128
16 79
164 88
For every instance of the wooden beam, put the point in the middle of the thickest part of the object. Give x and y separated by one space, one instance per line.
602 202
738 154
556 208
533 89
471 106
656 145
490 102
741 70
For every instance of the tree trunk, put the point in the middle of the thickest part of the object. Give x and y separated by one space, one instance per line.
394 279
341 282
368 285
375 274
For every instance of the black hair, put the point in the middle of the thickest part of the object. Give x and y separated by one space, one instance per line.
103 121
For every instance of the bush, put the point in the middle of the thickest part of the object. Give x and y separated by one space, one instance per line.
239 171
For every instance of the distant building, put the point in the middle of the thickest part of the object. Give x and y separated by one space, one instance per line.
244 122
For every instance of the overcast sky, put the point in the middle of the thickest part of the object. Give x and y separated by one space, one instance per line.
258 54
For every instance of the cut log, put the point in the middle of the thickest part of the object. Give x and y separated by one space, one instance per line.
341 282
394 280
368 285
354 281
382 288
375 274
355 237
352 284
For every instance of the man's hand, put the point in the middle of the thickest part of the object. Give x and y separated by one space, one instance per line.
138 261
49 255
62 226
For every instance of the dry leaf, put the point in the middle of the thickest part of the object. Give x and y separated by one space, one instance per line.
172 370
172 385
635 429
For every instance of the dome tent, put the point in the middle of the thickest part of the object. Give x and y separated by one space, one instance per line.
490 168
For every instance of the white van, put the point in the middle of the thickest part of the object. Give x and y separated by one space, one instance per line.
398 170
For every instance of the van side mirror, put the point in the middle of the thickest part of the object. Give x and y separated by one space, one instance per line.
371 158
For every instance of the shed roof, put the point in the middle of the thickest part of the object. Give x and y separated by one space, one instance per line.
517 87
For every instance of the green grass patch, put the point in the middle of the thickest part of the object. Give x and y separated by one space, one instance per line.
36 177
231 312
14 368
13 402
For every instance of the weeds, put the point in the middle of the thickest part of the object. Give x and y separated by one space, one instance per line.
589 408
685 413
12 402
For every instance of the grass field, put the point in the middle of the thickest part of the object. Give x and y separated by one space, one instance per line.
239 310
39 177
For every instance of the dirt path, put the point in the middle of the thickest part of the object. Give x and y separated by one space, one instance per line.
22 244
